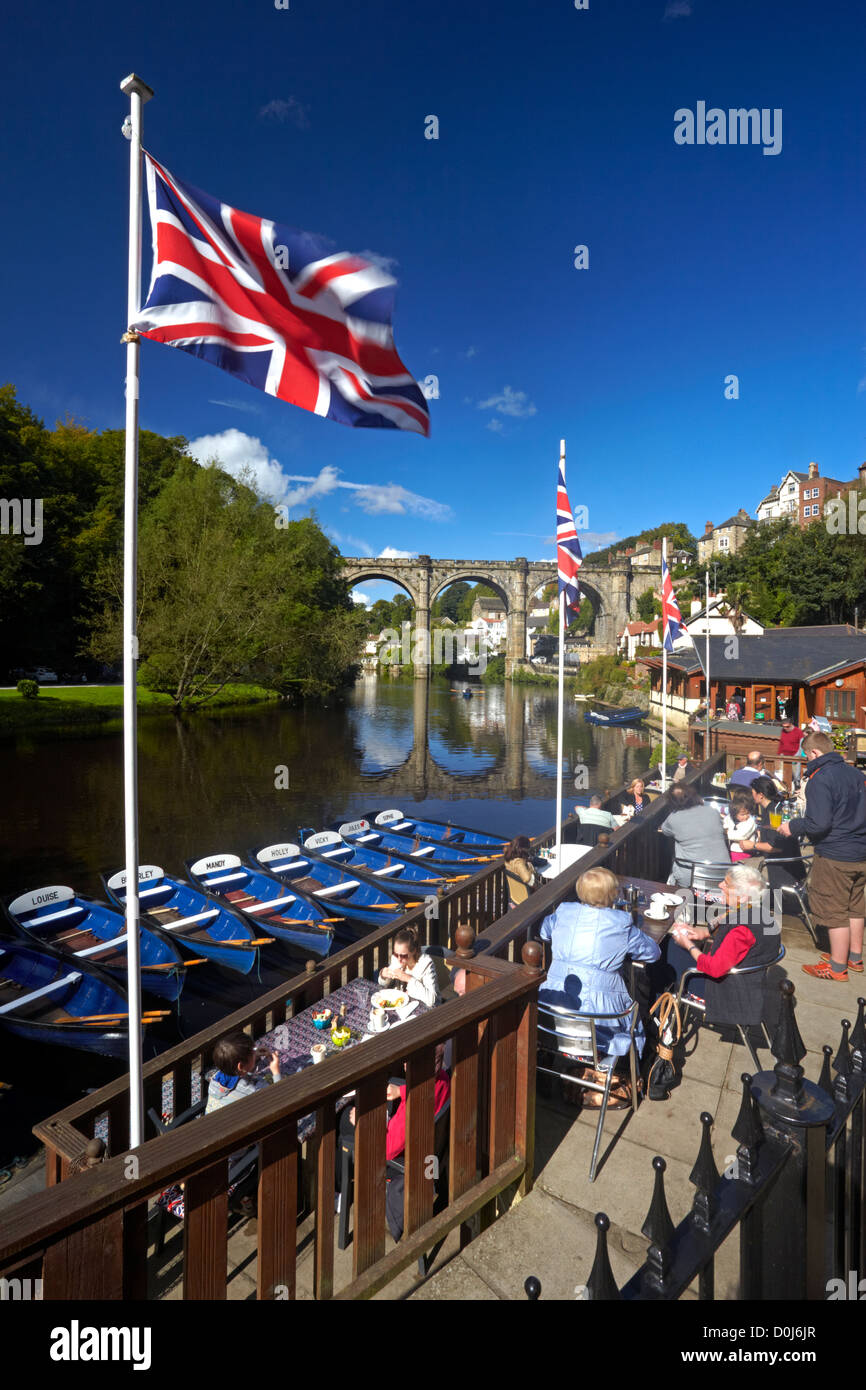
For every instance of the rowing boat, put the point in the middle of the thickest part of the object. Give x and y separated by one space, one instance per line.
614 715
434 831
404 878
446 858
201 924
328 886
60 922
43 1000
263 901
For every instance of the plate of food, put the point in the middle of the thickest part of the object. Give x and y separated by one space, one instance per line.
389 999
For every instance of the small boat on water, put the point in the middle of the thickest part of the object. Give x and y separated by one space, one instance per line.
451 859
434 831
203 925
328 885
263 900
405 879
56 920
43 1000
612 714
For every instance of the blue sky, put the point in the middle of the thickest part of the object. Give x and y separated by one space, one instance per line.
556 129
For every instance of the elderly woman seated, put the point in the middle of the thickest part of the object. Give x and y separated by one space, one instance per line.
741 931
589 940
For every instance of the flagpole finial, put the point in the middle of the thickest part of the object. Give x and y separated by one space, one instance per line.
133 83
562 448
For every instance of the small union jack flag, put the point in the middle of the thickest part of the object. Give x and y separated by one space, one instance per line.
569 556
672 618
277 308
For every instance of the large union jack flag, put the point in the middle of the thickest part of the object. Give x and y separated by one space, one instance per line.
672 618
569 556
277 308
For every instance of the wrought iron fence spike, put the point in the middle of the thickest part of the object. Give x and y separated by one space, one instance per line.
705 1177
842 1064
748 1132
532 1288
858 1038
788 1049
825 1080
658 1227
601 1285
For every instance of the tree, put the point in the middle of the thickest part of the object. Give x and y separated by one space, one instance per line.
646 606
448 603
225 595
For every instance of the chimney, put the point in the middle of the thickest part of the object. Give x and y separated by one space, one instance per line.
862 474
708 526
813 470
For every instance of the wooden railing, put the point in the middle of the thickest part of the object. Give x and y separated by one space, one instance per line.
782 768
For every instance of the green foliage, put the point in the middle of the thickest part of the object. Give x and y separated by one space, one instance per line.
648 606
494 673
785 576
678 534
605 670
447 605
28 690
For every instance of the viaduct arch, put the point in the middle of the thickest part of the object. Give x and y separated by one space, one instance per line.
424 578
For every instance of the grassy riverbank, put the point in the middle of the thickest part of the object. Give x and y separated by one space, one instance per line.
78 706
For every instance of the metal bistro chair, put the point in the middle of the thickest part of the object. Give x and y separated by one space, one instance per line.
574 1037
704 875
687 1001
796 888
243 1168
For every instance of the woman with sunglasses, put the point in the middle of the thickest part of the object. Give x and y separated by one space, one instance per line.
411 969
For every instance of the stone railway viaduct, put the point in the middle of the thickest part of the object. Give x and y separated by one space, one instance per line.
516 581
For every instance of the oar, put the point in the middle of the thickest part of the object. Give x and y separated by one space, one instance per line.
106 1018
386 907
256 941
308 921
177 965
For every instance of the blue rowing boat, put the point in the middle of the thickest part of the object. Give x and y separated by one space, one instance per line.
263 900
404 878
43 1000
203 925
615 716
437 831
57 920
328 886
449 859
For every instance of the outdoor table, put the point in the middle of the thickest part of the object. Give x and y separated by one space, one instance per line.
293 1040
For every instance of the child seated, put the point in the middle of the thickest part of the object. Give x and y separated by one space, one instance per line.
740 825
237 1073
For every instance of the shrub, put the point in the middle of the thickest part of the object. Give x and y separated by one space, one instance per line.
28 690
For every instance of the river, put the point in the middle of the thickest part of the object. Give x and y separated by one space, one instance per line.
210 784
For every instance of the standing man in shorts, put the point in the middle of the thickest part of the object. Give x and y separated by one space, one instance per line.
835 821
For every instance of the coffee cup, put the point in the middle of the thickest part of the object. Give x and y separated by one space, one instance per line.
317 1052
377 1020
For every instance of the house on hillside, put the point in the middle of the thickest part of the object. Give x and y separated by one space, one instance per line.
816 492
784 498
723 621
635 635
726 538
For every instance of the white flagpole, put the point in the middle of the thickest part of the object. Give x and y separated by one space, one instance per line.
138 93
664 765
707 671
561 704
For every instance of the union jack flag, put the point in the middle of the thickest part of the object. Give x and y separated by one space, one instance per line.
569 556
672 618
277 308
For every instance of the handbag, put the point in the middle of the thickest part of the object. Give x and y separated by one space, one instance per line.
663 1073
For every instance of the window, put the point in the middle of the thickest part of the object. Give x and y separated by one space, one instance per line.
816 492
839 704
792 487
816 511
723 542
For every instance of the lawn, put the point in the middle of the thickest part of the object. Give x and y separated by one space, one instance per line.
95 705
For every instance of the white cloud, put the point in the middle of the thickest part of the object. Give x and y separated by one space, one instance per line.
471 351
289 109
247 407
389 553
495 424
240 453
677 9
596 540
861 385
245 455
386 263
359 598
509 402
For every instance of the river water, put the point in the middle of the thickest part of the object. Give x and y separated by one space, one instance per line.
211 784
